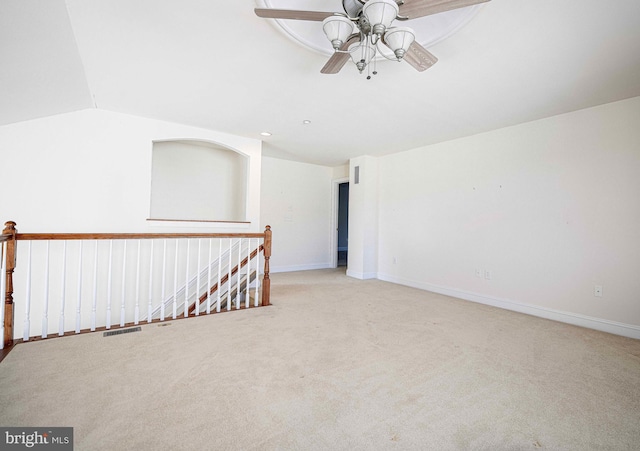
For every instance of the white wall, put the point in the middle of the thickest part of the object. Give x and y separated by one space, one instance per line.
90 171
341 172
296 203
550 208
362 259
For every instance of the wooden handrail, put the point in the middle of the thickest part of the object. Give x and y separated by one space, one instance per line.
129 236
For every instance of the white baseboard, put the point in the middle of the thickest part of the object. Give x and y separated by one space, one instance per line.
604 325
293 268
361 275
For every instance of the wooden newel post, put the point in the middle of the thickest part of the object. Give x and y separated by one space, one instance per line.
9 229
266 282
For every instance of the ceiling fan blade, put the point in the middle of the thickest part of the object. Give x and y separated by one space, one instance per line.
269 13
335 63
419 57
412 9
339 59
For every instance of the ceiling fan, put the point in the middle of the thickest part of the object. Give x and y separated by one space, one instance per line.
366 24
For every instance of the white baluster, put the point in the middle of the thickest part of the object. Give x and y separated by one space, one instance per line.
109 278
175 283
79 302
197 300
219 275
27 306
136 311
150 306
247 301
45 310
186 281
164 274
63 289
257 279
229 275
95 287
209 280
238 274
124 285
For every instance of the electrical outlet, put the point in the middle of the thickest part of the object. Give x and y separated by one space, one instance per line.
487 274
478 272
597 291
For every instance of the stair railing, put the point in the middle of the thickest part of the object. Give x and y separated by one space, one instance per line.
217 288
212 275
95 281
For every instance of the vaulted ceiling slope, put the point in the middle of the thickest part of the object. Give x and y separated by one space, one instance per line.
216 65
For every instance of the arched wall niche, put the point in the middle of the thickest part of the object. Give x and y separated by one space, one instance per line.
198 180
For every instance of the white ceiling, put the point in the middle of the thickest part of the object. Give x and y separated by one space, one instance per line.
216 65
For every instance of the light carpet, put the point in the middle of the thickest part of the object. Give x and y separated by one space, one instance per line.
335 364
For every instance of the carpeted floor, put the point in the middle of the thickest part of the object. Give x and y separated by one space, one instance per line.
335 364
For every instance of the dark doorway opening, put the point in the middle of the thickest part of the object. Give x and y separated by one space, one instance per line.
343 223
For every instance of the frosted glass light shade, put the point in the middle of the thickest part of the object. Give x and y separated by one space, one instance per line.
380 14
361 51
399 39
361 54
337 29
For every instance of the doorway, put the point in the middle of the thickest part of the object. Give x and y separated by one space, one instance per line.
343 224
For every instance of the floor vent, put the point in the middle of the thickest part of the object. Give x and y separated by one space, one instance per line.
121 331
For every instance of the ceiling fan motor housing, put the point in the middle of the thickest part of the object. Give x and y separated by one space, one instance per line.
363 25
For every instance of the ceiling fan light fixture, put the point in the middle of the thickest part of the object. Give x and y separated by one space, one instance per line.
380 14
399 39
337 29
370 23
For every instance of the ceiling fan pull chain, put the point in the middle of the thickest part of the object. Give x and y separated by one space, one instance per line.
370 41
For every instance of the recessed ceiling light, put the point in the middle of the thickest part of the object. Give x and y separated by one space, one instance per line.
265 134
306 121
